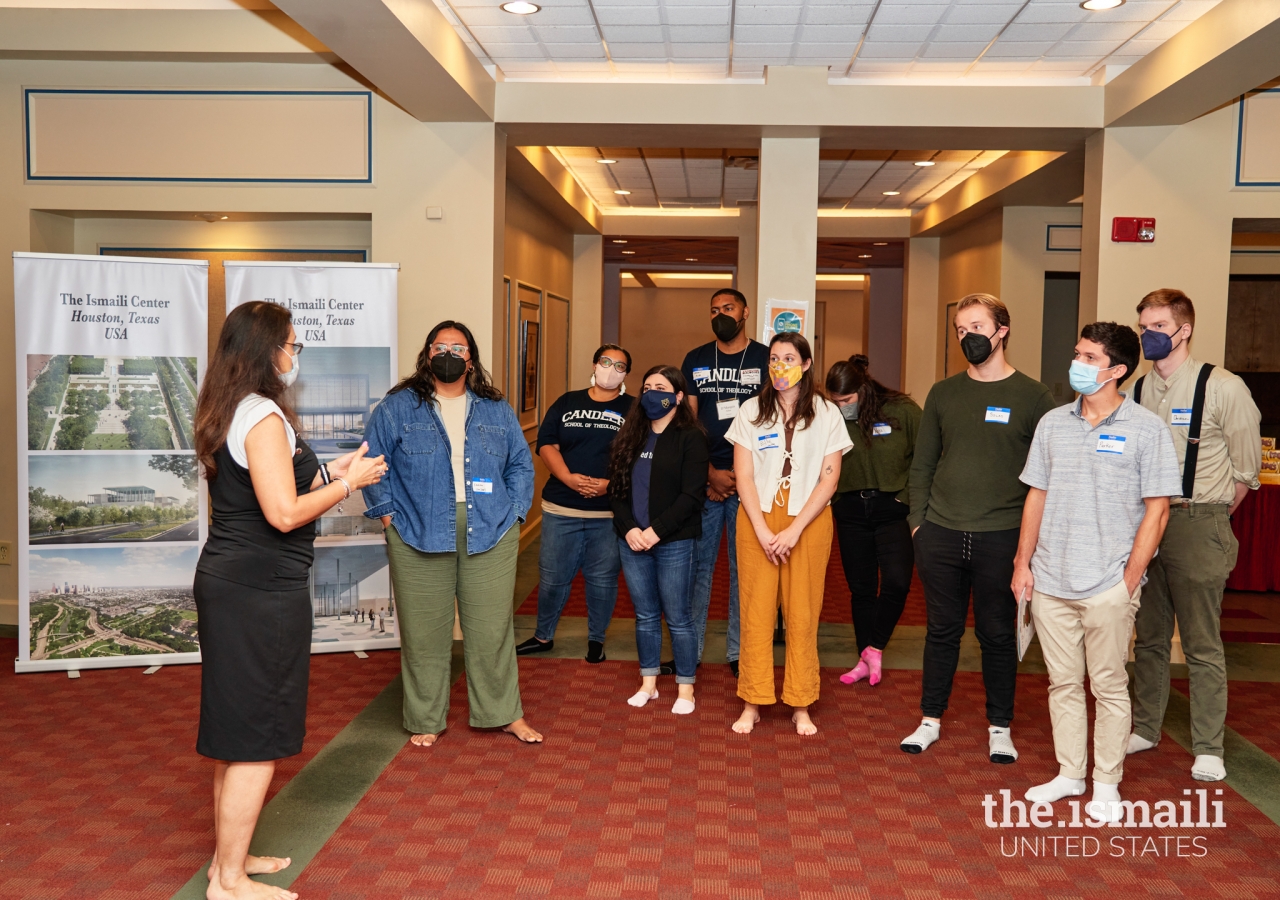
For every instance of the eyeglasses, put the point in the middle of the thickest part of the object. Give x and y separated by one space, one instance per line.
613 364
456 349
296 348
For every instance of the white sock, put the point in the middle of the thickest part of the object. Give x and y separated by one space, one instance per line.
1000 745
1137 743
640 698
683 707
920 739
1053 791
1208 768
1105 803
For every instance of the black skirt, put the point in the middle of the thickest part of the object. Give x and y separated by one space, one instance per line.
255 647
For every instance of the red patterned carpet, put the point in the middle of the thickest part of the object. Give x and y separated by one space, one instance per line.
1253 710
640 803
102 793
835 606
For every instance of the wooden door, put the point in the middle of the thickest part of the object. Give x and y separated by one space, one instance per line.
820 341
1253 323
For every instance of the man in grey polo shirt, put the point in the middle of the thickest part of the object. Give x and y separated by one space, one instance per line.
1100 473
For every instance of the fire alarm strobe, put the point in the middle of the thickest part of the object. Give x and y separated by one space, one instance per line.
1130 230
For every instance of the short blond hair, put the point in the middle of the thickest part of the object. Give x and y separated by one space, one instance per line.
1179 304
999 312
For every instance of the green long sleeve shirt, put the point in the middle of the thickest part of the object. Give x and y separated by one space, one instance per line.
882 461
972 446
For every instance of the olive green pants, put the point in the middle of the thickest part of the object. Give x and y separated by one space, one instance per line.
425 587
1185 583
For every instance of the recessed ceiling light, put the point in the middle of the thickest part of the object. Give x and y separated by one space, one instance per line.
619 241
1096 5
691 259
629 252
880 244
892 193
622 193
605 161
925 163
864 256
521 7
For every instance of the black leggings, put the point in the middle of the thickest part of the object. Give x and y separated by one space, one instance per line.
951 564
876 552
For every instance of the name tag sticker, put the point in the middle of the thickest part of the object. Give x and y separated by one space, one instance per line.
749 376
726 409
482 485
702 374
998 414
1181 417
767 441
879 429
1110 443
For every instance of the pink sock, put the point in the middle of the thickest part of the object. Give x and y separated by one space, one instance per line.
857 673
871 659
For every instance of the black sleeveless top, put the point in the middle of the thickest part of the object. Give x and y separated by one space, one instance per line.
243 546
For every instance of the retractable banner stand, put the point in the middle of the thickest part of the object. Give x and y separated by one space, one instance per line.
345 318
111 514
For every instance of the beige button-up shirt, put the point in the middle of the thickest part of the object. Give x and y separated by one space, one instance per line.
1230 441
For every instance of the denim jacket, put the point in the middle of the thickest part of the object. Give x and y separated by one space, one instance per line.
417 492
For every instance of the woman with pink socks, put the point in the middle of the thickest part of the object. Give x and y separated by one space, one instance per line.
870 508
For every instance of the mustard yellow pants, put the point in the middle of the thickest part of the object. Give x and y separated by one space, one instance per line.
799 583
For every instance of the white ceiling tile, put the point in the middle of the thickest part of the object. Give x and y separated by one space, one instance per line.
565 34
907 13
575 51
1084 49
699 34
1024 49
981 13
698 15
703 51
768 15
964 33
1044 32
629 15
507 35
774 50
621 50
829 34
1163 30
760 34
634 34
516 51
1099 31
957 50
887 50
844 14
899 33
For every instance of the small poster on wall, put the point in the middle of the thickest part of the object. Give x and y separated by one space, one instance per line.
782 316
110 353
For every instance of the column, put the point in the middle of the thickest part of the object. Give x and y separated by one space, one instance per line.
788 224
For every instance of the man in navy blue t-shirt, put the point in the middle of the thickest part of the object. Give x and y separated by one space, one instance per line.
722 375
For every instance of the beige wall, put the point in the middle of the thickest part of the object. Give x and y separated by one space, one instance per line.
661 325
1184 178
922 320
969 261
1023 262
845 325
447 265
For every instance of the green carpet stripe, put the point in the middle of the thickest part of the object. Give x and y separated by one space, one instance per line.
1251 773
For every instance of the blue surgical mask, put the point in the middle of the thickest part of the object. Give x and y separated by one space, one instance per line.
1084 378
292 375
657 404
1156 344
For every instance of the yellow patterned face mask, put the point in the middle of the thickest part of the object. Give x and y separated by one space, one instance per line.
785 376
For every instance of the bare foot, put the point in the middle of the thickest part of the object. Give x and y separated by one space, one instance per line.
747 721
804 724
245 888
256 865
524 731
424 740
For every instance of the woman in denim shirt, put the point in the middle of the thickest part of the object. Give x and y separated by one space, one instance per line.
461 478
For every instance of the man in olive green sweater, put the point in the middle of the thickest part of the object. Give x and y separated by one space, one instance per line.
966 509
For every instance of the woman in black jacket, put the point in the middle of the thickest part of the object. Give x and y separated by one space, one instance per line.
657 482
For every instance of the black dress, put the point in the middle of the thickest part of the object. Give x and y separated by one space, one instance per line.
254 607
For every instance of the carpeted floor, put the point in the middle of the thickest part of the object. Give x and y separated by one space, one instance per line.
1253 710
640 803
101 791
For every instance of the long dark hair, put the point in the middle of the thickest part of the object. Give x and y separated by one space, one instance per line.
423 383
634 432
850 376
243 364
769 407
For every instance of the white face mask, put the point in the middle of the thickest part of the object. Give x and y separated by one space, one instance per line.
292 375
608 378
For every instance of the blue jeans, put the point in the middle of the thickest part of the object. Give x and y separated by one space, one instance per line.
570 544
717 515
659 582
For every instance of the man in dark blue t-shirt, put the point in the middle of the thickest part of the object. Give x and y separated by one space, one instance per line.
722 375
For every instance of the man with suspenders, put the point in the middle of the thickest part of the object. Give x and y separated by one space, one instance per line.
1215 426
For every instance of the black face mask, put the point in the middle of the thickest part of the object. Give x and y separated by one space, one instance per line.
447 367
976 347
726 327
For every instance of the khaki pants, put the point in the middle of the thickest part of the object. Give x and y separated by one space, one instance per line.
1093 635
800 581
1185 582
425 587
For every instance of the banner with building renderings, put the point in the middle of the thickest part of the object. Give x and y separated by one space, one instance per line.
111 513
345 318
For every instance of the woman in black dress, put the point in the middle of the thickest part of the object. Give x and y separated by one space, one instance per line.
265 489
